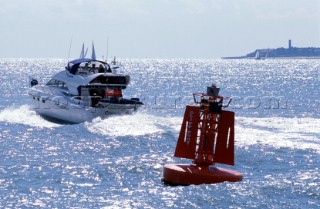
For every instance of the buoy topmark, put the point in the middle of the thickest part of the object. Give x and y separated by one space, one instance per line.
206 137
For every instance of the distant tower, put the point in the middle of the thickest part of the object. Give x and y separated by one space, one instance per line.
290 46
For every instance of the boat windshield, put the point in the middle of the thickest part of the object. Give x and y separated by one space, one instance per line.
57 83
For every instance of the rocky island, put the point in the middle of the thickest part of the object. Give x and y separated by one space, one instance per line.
290 52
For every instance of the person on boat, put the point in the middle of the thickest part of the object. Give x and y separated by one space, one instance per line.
101 69
93 68
86 66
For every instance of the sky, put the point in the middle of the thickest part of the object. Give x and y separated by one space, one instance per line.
155 28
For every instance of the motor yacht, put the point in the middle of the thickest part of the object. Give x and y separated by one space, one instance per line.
87 88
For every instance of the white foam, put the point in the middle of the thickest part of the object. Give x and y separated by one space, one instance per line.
133 125
295 133
25 115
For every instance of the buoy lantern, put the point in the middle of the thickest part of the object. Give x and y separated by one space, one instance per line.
206 137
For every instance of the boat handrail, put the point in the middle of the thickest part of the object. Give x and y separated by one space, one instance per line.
206 99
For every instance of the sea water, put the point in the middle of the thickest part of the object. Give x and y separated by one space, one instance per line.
117 162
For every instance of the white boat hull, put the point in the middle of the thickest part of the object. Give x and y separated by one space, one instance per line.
66 109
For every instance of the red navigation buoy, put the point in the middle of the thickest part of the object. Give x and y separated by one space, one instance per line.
206 137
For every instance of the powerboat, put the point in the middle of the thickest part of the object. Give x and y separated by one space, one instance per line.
86 89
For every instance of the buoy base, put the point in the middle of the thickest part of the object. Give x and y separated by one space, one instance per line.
185 174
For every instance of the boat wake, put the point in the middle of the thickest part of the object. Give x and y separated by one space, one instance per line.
137 124
25 115
293 133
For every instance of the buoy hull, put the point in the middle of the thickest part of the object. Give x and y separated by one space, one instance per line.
192 174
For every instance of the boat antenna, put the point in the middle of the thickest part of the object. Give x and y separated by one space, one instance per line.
107 49
69 48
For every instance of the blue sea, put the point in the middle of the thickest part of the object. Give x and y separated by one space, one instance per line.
117 162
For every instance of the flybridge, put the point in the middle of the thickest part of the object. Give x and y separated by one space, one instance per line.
85 66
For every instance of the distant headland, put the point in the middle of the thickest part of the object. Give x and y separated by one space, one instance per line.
290 52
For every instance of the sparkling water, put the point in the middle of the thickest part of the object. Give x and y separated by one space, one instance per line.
117 162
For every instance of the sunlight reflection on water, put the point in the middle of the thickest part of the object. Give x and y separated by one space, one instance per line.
117 162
